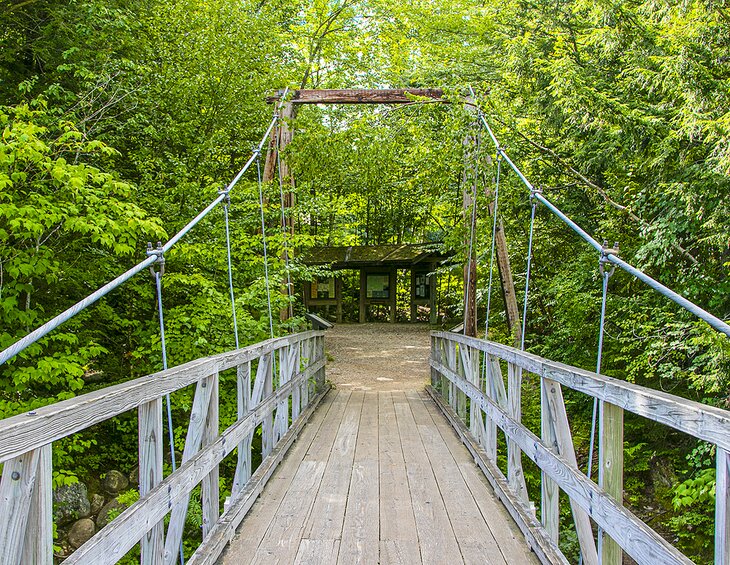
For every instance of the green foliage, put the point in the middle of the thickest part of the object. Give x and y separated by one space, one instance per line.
618 112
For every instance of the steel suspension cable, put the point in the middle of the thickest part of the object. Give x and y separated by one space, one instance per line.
159 257
263 236
605 275
527 274
81 305
226 204
688 305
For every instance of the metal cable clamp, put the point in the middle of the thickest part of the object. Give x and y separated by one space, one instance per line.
159 253
606 252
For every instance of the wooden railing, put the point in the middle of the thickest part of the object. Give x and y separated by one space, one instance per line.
468 368
264 398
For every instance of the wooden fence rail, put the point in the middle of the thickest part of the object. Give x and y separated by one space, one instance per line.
468 368
289 374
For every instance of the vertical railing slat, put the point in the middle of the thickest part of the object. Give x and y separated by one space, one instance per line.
490 428
550 503
611 471
16 492
198 418
150 474
243 393
722 508
38 545
515 475
267 426
209 487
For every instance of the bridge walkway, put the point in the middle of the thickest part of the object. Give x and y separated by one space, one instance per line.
378 477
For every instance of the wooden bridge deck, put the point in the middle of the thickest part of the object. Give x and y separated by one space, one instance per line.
378 477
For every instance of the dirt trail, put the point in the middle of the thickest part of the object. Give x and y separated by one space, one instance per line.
378 356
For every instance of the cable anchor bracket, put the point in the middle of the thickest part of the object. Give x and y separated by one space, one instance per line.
226 193
606 253
159 253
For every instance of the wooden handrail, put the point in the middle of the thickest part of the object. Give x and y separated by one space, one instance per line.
702 421
25 448
457 376
25 432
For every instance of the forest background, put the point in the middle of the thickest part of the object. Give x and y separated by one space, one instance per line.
122 119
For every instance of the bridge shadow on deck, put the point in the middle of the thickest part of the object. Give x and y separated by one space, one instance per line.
378 474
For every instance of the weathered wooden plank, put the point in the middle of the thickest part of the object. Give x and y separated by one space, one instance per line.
397 520
328 513
708 423
209 487
320 354
360 96
474 538
521 513
44 425
722 508
360 530
399 552
553 397
38 544
636 538
16 492
435 532
317 551
611 471
116 538
262 515
510 540
281 542
150 474
213 546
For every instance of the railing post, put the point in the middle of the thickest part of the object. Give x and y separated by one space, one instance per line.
515 475
722 508
611 471
296 397
436 357
451 364
320 355
550 503
196 431
267 425
243 465
38 546
210 488
490 388
150 474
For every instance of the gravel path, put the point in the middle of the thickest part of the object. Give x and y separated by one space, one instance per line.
378 356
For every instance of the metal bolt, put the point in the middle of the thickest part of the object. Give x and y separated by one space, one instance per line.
15 475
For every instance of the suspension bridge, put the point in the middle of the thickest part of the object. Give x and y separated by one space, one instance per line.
427 472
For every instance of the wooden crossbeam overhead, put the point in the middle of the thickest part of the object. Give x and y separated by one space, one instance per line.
359 96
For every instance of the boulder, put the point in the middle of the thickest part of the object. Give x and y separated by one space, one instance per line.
103 518
70 502
97 501
81 532
115 482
